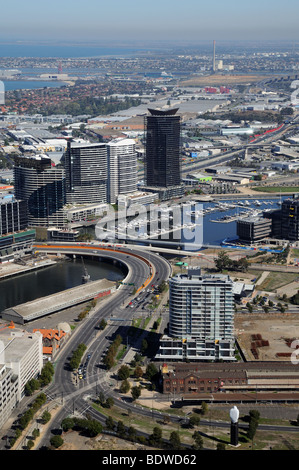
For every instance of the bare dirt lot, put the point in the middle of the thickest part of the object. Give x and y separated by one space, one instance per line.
74 441
222 80
279 330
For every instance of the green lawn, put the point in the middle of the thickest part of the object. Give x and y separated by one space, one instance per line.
274 280
277 189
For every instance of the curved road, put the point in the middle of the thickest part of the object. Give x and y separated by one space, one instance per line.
144 269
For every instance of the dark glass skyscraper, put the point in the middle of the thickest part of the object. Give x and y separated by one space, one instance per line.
290 219
163 159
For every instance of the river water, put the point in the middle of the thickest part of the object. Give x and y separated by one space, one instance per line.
52 279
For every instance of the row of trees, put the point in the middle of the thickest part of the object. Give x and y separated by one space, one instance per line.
77 356
44 379
27 416
109 358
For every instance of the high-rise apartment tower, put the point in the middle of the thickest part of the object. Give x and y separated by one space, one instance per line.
201 318
86 173
122 168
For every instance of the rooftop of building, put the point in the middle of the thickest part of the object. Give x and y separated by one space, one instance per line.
195 274
16 343
121 141
164 112
260 367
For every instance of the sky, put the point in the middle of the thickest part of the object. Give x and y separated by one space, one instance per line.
149 20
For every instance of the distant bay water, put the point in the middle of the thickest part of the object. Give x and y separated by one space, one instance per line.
64 51
10 85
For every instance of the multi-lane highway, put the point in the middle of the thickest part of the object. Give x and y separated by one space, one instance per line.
144 270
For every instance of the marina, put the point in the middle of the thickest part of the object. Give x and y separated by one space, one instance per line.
166 220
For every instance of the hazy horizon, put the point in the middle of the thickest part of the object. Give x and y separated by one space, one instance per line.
154 21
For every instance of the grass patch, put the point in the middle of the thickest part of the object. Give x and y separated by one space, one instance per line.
277 189
274 280
121 353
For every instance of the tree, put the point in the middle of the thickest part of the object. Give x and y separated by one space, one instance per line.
110 423
31 386
56 441
151 371
67 424
121 429
144 346
194 420
123 372
102 324
155 439
125 386
198 440
138 372
35 433
109 361
204 408
93 427
109 402
46 374
132 433
175 441
46 416
254 416
102 398
135 392
223 261
30 444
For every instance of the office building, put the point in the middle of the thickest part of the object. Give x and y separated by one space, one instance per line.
86 173
9 385
42 186
163 153
201 318
122 168
275 217
290 219
23 354
253 229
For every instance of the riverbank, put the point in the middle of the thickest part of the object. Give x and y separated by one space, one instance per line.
14 269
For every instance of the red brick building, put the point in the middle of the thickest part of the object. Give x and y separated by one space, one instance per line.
196 378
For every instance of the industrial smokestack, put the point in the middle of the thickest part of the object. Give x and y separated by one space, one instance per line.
214 57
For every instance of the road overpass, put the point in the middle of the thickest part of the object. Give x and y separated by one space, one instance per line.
112 249
139 270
